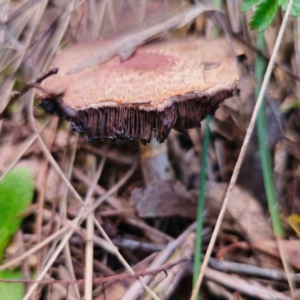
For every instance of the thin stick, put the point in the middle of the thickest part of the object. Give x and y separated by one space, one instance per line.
24 148
251 270
32 84
253 290
89 255
67 236
89 246
63 213
242 153
151 271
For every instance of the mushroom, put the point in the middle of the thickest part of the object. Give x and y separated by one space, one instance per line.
164 85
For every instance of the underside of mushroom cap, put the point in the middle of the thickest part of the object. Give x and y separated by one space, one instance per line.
163 85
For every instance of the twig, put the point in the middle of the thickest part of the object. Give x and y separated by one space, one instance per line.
242 153
137 245
24 148
137 274
15 95
250 270
89 245
153 233
253 290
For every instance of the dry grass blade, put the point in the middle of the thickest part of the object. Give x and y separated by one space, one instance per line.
68 235
4 11
126 45
242 153
23 149
26 16
52 43
89 247
34 249
69 226
152 271
63 213
85 208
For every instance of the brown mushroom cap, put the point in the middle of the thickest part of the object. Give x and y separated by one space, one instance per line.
163 85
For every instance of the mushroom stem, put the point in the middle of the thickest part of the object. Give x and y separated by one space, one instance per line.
155 162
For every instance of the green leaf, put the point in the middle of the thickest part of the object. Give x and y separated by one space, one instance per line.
11 291
16 192
264 15
248 4
295 10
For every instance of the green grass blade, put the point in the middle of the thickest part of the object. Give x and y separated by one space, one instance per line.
263 147
200 207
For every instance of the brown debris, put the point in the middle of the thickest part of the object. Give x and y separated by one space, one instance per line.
165 198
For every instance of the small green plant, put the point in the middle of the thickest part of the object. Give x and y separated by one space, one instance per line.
16 191
266 10
11 291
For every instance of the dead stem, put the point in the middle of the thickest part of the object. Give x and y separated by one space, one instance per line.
35 83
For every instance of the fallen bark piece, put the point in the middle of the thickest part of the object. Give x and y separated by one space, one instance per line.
163 85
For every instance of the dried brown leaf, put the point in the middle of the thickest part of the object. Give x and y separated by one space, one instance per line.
162 199
126 45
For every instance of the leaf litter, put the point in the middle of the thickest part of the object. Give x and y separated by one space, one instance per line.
156 214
